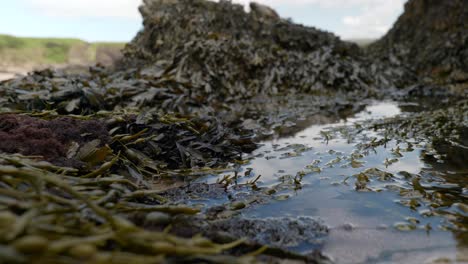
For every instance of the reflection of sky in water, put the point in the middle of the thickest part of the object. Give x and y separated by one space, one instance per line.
379 110
327 196
374 111
311 138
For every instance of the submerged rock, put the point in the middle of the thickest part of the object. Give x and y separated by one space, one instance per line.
279 232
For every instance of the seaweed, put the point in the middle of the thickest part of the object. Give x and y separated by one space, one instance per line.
48 138
99 166
74 225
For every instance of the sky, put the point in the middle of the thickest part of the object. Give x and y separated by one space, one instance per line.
119 20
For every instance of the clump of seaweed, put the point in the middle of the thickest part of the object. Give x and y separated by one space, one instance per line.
168 141
57 216
178 141
50 139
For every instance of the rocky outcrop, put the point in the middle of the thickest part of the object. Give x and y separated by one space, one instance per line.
220 49
431 36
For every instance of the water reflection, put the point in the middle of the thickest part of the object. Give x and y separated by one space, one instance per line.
362 223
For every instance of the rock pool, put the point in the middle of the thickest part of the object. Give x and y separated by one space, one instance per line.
381 202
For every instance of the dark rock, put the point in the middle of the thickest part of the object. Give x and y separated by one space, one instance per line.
263 11
431 37
278 232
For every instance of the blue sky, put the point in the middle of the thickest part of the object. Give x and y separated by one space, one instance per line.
118 20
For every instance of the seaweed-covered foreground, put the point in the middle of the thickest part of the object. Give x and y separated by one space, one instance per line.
158 161
54 218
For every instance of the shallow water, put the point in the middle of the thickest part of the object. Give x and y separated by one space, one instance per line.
382 221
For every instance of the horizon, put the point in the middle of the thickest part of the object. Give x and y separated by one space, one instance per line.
348 19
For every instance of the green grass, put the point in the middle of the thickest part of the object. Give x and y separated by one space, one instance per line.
19 51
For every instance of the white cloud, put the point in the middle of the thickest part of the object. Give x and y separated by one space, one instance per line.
321 3
376 18
352 21
87 8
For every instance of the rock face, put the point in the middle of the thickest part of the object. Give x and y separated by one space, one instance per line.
432 37
263 11
219 48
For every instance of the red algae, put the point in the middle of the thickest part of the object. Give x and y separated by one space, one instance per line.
50 139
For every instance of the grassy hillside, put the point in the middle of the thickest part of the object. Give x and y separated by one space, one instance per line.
31 52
